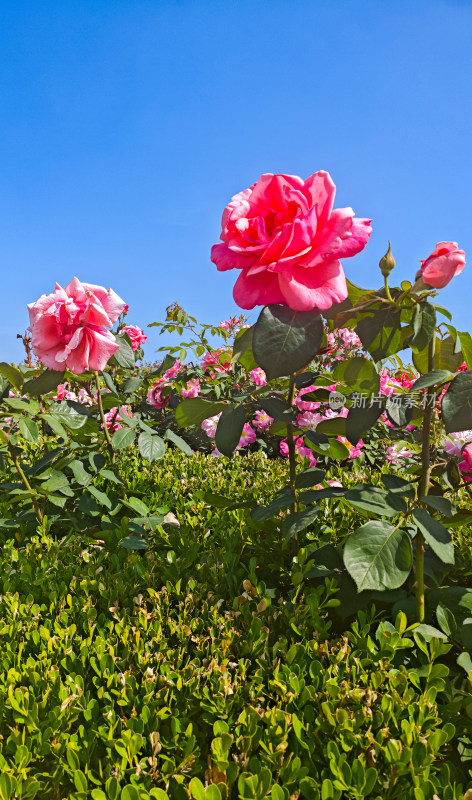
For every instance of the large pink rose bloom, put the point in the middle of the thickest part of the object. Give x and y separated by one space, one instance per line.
285 237
444 263
69 326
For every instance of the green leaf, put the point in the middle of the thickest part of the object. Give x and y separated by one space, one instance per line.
397 485
374 500
284 341
197 790
45 383
72 415
441 504
380 332
424 326
108 380
332 427
110 476
124 356
360 420
129 792
79 472
194 410
55 425
31 407
444 357
378 556
294 523
132 385
229 429
242 349
309 477
431 379
124 437
12 374
446 619
399 410
178 441
437 536
100 497
280 410
29 429
151 446
464 660
466 347
359 374
136 505
456 404
80 781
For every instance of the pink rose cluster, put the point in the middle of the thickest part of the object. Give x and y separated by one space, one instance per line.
287 241
248 434
70 326
155 396
137 336
217 361
344 339
83 397
115 416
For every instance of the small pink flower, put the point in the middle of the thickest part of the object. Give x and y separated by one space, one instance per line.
388 384
170 373
466 463
137 336
455 442
209 425
115 416
155 396
444 263
262 421
394 455
217 360
192 389
258 376
309 420
304 452
248 436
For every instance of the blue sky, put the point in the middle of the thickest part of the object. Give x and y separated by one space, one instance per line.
126 126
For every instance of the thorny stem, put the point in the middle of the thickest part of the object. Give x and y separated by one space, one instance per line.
102 417
37 508
423 489
291 445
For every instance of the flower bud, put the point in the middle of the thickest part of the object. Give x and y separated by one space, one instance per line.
387 263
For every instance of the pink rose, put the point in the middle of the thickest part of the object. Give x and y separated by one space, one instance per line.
258 376
69 328
155 396
262 420
209 425
248 436
137 336
211 361
115 416
192 389
444 263
284 236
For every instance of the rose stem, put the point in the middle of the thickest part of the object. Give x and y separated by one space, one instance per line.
424 488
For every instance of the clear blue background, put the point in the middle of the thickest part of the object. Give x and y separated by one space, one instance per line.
127 126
